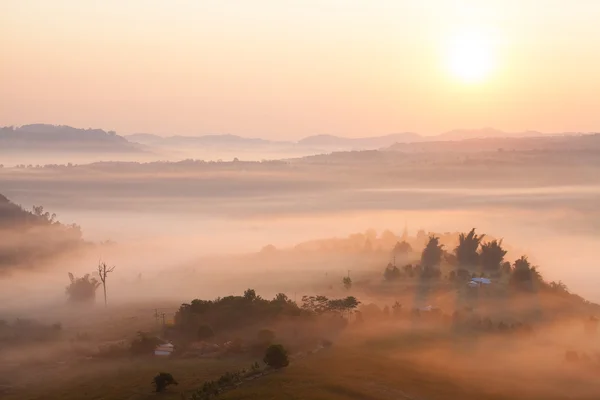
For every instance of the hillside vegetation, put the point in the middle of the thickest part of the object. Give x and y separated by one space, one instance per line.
30 237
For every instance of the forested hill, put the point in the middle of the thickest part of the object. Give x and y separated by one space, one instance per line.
28 238
63 138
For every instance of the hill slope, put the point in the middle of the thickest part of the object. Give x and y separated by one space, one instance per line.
30 237
62 138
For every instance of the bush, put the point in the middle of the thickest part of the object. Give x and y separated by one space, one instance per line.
162 380
144 344
276 356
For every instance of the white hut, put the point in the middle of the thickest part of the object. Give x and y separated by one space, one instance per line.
164 349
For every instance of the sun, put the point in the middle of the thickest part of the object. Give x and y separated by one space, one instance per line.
471 56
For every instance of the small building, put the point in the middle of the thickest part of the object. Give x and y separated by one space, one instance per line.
164 349
481 281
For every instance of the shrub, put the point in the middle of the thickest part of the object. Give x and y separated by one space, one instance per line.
276 356
82 290
162 380
144 344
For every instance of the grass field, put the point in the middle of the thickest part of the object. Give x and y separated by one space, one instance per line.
382 362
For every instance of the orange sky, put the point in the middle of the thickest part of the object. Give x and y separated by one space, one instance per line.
289 68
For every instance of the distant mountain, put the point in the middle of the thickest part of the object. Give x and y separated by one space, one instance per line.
43 137
462 134
566 142
364 143
199 141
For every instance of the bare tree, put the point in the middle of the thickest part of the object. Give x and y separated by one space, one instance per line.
103 271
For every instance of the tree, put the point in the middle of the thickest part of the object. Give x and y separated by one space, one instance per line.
506 268
559 287
492 255
144 344
350 303
38 211
82 289
316 304
103 271
521 270
281 298
524 275
347 282
402 248
205 332
391 273
432 253
466 251
276 356
250 294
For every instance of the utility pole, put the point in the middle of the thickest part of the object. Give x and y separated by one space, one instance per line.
156 315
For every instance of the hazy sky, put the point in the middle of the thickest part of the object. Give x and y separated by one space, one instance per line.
289 68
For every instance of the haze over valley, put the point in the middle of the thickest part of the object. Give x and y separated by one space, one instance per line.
299 200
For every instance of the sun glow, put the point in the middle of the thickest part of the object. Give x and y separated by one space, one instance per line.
471 56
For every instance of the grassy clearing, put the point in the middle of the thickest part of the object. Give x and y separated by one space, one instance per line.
119 379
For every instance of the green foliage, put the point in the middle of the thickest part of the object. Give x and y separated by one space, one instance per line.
432 253
492 255
466 251
232 312
82 290
162 380
321 305
276 356
205 332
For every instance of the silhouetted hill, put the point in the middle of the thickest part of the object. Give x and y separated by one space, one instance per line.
64 139
574 142
31 237
199 141
484 133
364 143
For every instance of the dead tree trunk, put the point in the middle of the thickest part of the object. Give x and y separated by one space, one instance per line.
103 271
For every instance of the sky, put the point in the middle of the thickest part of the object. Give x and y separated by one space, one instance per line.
284 69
